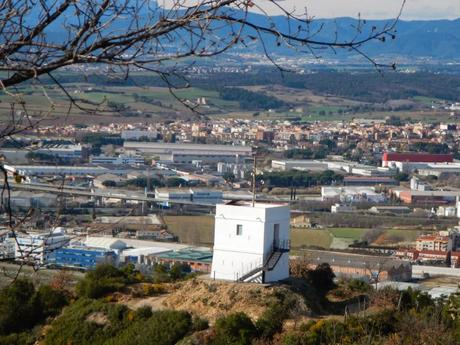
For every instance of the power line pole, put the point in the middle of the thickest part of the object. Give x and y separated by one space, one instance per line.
254 169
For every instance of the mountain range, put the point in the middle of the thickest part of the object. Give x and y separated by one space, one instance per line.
436 39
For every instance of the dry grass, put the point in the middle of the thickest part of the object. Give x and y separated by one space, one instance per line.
213 299
196 230
307 238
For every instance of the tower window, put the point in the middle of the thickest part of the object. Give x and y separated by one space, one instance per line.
239 230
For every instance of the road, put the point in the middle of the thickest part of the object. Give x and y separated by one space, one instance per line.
136 196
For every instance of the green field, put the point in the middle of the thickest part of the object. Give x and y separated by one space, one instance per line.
353 233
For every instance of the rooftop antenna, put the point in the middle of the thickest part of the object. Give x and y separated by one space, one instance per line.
254 169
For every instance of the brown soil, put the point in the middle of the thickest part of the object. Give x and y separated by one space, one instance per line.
211 299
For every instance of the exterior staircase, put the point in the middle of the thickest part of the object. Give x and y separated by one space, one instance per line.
256 274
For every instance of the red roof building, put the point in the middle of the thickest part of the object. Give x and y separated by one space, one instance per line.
427 255
414 157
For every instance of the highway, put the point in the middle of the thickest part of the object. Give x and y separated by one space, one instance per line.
98 193
136 196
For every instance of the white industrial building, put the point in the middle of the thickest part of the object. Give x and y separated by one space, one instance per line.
440 169
339 208
251 242
188 194
238 170
53 170
136 134
299 164
416 184
26 199
117 160
36 247
323 165
187 153
350 194
63 151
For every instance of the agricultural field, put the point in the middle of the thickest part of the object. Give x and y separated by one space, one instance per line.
115 101
196 230
340 238
302 238
199 230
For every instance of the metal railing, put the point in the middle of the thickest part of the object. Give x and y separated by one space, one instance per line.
282 245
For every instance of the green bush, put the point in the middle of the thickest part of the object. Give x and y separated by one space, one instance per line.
22 307
162 328
101 281
87 322
359 285
234 329
24 338
144 312
272 319
199 324
321 278
94 322
51 301
18 302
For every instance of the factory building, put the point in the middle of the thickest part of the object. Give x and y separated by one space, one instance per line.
36 248
410 161
81 257
188 153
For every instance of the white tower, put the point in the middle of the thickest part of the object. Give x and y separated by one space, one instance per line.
251 243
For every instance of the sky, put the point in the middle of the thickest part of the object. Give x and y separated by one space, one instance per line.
371 9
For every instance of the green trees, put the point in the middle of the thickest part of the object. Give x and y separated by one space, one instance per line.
109 183
250 100
175 182
163 273
234 329
299 178
98 323
321 278
317 153
104 279
50 301
229 177
18 302
165 327
143 182
22 307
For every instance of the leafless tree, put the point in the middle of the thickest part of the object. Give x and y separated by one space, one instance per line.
40 37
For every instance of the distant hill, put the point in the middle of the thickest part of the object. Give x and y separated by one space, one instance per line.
438 39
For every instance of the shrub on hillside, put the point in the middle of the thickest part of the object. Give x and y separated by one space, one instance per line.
234 329
22 307
102 280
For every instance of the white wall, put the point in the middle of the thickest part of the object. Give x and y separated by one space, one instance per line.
235 255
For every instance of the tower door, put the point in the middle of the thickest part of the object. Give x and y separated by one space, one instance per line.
276 235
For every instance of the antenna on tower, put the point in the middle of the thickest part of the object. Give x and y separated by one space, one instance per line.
254 170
